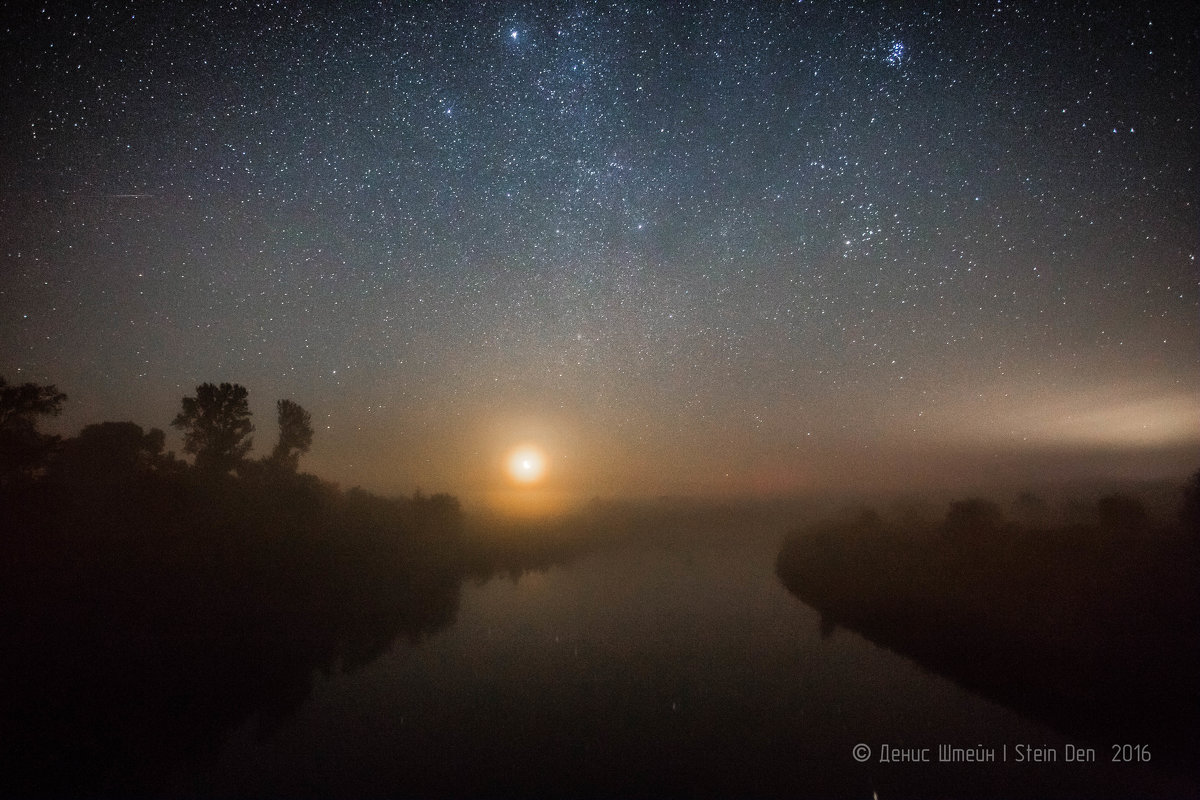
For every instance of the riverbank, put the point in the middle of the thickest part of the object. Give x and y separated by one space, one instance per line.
1090 628
147 619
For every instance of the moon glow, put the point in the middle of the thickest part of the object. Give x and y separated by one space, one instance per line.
526 465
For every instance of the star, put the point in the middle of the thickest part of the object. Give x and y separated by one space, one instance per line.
751 216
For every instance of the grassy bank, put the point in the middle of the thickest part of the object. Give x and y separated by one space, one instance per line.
1090 627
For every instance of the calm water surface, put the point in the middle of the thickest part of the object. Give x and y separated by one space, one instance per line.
681 668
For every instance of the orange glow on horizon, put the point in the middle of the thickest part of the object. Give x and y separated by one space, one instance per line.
526 465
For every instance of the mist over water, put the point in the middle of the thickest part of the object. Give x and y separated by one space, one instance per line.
182 632
671 662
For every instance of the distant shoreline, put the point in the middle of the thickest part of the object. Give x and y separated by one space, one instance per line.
1090 629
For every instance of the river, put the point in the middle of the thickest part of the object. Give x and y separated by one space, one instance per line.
678 666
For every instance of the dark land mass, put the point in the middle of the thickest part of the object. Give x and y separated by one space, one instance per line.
152 606
1088 627
149 615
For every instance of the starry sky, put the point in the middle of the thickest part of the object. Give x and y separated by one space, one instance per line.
713 248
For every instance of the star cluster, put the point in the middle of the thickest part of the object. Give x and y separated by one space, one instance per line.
694 248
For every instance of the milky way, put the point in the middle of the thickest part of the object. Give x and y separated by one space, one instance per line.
724 247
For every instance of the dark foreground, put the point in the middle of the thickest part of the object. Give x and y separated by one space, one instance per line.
271 635
1091 628
147 618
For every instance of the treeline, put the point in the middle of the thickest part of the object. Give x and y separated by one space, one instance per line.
1089 626
215 423
151 606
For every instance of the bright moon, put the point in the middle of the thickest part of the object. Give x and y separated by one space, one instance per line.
526 464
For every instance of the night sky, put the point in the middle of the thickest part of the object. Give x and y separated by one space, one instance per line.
724 248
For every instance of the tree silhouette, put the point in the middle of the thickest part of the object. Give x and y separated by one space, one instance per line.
110 453
23 450
216 425
295 435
